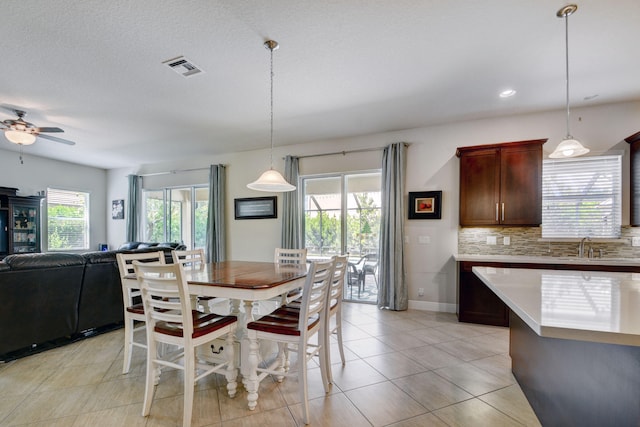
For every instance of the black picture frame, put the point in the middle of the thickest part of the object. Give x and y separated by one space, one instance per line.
256 208
117 209
425 205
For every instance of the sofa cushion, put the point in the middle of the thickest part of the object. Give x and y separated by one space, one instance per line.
99 257
127 246
43 260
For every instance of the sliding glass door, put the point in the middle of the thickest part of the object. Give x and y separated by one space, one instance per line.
176 215
341 214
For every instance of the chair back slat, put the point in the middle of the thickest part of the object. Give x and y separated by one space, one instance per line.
290 256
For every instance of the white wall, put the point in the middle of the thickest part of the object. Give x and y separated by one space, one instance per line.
37 174
432 165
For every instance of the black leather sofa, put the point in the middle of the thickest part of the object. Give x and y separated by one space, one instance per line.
50 299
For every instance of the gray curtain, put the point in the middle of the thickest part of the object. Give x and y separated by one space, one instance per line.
392 292
216 235
133 208
291 235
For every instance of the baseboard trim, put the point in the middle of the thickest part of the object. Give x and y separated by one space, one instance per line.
433 306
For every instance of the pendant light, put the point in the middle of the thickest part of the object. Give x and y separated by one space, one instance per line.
569 147
271 180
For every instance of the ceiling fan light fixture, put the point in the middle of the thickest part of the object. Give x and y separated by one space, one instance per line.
569 147
20 137
271 180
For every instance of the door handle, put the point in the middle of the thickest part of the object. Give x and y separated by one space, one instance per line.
503 212
497 219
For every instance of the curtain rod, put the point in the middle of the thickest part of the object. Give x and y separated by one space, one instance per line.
362 150
172 172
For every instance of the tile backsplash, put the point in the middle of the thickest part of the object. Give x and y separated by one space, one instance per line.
526 241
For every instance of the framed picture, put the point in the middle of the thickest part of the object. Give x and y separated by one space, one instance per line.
425 205
256 208
117 209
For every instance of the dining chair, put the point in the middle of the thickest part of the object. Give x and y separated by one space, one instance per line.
285 256
133 307
334 311
194 259
293 327
171 320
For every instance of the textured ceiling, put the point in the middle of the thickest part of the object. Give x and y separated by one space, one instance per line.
345 67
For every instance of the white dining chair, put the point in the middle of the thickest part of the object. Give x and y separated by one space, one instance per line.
334 311
133 307
171 320
293 328
283 256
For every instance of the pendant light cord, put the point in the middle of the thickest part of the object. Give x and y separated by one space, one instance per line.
566 51
271 124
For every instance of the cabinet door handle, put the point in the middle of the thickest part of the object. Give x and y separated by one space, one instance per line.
503 212
497 219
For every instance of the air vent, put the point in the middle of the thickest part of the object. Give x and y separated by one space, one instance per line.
183 66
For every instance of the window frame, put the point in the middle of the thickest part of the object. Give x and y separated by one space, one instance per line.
86 220
167 208
590 171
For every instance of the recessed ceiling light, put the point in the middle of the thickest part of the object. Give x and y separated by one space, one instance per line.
507 93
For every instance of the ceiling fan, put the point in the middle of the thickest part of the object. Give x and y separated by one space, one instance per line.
22 132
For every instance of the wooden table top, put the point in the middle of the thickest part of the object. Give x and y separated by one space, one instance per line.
244 274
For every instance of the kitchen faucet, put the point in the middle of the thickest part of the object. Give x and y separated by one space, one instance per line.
581 246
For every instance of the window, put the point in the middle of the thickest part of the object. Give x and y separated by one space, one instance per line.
176 215
582 197
67 220
342 214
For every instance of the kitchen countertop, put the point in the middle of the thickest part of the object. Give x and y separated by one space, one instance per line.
591 306
547 259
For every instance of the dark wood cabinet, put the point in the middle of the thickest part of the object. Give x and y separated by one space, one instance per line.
476 302
501 184
634 172
19 223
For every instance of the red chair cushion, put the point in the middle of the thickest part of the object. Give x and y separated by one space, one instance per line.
283 321
137 309
203 323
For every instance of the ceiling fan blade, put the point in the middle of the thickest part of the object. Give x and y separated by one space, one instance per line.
40 130
56 139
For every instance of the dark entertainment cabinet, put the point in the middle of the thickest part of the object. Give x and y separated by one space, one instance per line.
19 223
478 304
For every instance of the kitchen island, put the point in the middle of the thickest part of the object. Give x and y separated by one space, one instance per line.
574 342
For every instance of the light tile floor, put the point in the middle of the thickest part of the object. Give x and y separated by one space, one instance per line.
404 369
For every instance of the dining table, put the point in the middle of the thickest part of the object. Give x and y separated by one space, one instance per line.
244 283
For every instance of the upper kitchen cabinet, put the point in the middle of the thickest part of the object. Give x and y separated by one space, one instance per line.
634 169
501 184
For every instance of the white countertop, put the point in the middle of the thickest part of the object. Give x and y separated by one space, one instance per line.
547 259
587 306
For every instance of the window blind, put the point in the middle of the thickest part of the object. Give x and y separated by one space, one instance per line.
582 197
68 220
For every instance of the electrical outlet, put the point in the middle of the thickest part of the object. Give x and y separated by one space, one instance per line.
420 292
492 240
635 241
506 240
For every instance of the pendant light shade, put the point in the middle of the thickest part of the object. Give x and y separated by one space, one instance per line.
19 137
271 181
569 147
